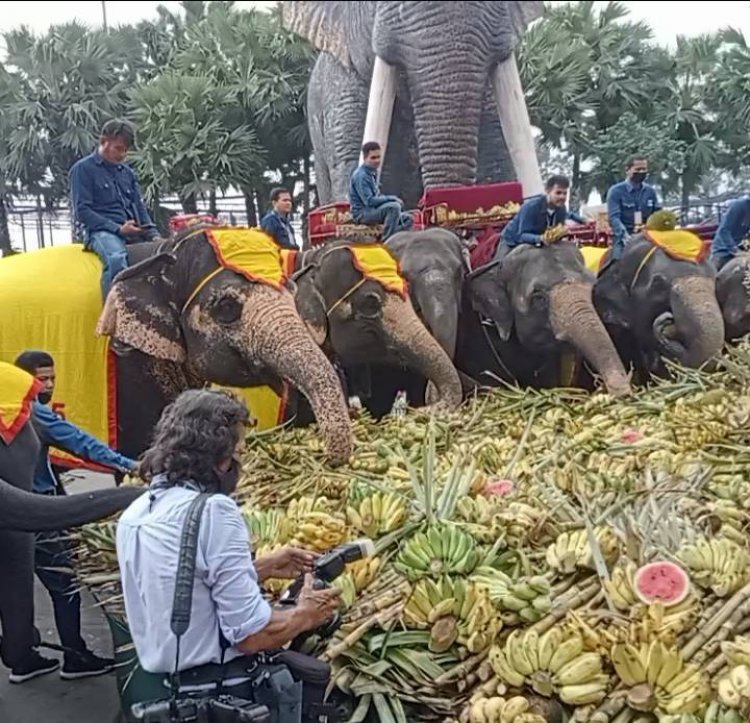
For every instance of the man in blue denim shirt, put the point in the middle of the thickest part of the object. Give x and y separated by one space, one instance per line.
107 203
276 223
734 227
368 205
538 214
630 203
52 555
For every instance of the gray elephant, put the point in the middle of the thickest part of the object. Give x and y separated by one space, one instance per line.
180 319
359 320
733 295
22 513
435 83
521 315
657 306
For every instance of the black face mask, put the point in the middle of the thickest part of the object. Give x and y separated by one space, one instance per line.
639 177
44 397
228 480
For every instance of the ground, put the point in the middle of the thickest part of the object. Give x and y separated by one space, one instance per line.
49 698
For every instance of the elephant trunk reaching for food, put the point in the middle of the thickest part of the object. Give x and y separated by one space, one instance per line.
693 332
575 321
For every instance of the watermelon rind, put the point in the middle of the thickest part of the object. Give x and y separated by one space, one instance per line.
680 580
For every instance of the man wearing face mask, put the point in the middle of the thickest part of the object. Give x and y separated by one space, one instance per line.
630 203
197 445
52 553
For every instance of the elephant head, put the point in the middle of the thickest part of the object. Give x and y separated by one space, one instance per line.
733 295
361 321
667 305
543 296
182 307
444 57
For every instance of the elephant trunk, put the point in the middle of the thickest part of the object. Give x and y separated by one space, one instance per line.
410 340
281 341
438 306
447 148
26 512
575 321
696 333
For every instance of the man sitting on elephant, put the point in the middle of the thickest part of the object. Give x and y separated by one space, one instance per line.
106 201
733 229
630 203
52 550
537 215
368 205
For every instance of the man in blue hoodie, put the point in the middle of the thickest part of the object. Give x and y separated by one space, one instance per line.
368 205
734 227
52 551
538 214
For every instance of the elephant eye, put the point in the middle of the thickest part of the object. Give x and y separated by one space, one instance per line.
369 306
226 310
539 298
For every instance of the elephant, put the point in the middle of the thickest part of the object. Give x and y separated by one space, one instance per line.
520 315
359 321
435 83
179 319
733 295
21 513
657 306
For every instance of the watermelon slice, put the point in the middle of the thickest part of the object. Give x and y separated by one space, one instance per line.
662 582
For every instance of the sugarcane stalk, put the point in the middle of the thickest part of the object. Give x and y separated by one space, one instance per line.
560 610
358 633
462 669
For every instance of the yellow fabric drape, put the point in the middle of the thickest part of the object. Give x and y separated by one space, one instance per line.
376 262
680 244
249 252
18 389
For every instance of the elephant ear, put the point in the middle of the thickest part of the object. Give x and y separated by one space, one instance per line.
488 296
141 312
325 25
310 305
612 298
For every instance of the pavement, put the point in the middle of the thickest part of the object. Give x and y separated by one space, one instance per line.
49 699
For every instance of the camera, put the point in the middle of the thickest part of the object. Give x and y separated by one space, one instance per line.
224 709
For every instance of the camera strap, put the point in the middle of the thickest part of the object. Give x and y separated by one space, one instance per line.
184 580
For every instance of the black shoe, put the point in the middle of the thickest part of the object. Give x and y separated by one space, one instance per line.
34 666
85 665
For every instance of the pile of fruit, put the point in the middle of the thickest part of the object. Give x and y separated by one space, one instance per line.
540 555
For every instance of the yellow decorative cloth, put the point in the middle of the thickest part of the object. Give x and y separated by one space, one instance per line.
592 256
680 244
249 252
18 389
376 262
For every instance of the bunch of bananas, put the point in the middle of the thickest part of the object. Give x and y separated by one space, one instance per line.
497 709
378 513
272 585
718 564
526 600
621 586
715 713
313 527
455 611
553 234
364 571
551 663
734 687
266 527
572 550
659 679
441 549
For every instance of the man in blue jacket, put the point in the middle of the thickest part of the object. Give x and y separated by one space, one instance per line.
630 203
106 201
538 214
53 551
734 227
277 222
368 205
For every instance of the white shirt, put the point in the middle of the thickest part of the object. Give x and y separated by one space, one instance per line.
226 595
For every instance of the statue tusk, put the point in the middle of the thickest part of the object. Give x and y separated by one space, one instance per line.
380 104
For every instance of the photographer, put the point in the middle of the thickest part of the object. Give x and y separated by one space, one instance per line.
197 445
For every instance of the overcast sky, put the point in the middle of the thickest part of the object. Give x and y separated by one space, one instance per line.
668 19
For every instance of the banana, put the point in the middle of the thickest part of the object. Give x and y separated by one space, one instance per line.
567 651
524 591
628 665
737 651
476 712
548 643
514 707
579 670
512 603
503 669
655 658
443 608
436 542
583 694
531 646
740 677
728 694
517 655
671 667
493 707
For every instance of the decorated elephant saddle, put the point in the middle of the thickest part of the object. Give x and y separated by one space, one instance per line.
18 389
376 262
248 252
679 244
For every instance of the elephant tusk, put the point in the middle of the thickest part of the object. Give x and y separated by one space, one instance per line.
380 105
514 119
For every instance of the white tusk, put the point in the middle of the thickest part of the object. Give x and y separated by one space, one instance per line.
514 118
380 104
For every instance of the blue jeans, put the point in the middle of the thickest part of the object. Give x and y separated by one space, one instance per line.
390 215
110 248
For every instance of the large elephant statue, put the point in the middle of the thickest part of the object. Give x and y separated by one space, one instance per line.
179 318
657 306
360 320
435 83
733 295
22 513
522 314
